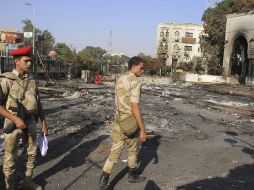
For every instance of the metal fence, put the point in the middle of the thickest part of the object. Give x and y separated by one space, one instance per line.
43 68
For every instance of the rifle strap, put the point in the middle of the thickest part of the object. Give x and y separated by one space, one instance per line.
23 95
24 92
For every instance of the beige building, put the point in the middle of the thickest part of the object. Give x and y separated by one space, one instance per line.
239 47
178 42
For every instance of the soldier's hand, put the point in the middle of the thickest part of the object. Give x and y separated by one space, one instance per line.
20 124
143 136
44 128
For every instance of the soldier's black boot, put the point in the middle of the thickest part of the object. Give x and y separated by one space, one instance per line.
28 183
9 182
134 177
103 183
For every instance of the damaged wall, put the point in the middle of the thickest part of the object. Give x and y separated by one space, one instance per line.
239 47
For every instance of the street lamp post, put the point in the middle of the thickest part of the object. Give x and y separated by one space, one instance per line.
34 61
33 41
33 29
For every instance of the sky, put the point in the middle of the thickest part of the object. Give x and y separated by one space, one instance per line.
81 23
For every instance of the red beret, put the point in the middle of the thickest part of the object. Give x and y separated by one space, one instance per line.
22 51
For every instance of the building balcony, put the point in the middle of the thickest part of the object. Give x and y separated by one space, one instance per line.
189 40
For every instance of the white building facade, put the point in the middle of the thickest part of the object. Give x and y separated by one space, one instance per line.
178 42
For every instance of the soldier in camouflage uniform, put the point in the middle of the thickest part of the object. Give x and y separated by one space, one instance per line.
127 95
17 86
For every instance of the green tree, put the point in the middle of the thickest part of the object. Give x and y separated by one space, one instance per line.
45 43
147 58
63 51
212 43
92 56
114 60
152 66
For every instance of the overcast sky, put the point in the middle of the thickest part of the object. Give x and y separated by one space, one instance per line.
82 23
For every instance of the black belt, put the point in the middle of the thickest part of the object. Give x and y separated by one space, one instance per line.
29 116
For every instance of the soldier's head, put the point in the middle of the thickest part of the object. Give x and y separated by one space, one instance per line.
22 59
136 65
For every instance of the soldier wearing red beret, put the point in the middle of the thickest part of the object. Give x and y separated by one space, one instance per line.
19 105
23 51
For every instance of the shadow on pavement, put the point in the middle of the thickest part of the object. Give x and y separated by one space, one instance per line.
64 143
240 178
118 177
148 153
151 185
75 158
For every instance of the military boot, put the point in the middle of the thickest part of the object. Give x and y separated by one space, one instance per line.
9 182
134 177
29 184
103 183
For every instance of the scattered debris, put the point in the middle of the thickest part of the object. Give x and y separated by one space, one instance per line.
190 129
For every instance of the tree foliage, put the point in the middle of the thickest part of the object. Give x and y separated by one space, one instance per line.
212 43
152 66
63 51
114 60
92 56
147 58
44 41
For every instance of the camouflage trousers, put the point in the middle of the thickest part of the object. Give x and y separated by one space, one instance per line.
119 140
11 143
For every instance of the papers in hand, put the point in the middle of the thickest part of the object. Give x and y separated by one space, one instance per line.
42 143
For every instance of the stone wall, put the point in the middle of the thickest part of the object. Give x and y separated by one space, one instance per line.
155 80
191 77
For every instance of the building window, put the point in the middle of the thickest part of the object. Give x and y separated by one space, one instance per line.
187 48
177 33
189 34
167 33
176 47
161 46
161 33
166 47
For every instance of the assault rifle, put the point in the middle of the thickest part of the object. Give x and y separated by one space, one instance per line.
10 127
20 110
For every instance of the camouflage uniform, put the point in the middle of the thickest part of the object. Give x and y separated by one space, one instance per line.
127 90
12 85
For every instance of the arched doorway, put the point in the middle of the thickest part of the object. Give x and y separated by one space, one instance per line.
239 59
